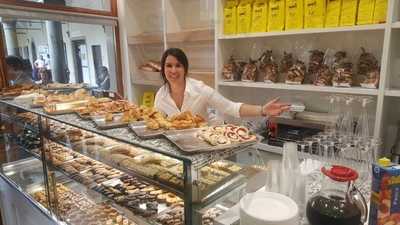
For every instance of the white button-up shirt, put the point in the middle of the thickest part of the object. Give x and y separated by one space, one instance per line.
198 97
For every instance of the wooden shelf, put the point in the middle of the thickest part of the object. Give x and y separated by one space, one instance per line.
198 34
392 93
304 31
147 38
302 87
204 75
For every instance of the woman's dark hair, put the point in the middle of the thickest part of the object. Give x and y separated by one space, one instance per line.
179 55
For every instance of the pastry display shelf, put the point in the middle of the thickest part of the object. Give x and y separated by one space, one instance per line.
304 32
189 35
301 87
18 122
392 93
157 83
160 145
114 165
130 214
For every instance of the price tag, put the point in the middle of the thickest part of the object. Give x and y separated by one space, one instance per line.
112 183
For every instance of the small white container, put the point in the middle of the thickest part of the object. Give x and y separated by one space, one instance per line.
268 208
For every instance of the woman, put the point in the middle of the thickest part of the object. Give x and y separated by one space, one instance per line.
181 93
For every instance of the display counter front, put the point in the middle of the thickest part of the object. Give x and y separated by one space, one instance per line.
75 173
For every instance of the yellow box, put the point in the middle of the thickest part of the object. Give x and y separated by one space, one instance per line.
380 11
333 10
230 17
148 99
365 13
259 16
294 14
244 11
276 15
314 13
349 13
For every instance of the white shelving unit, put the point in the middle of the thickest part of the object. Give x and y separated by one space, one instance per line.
186 24
381 39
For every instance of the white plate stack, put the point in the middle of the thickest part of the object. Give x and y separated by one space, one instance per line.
268 208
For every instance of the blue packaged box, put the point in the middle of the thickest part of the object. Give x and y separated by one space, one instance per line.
385 195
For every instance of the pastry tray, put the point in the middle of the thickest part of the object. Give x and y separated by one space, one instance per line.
141 130
64 108
66 88
84 116
102 124
188 142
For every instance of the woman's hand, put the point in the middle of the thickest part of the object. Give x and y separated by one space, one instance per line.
274 108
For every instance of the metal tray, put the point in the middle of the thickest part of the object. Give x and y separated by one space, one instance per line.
64 108
188 142
104 125
84 116
141 130
65 88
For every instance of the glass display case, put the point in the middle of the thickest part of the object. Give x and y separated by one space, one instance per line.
112 176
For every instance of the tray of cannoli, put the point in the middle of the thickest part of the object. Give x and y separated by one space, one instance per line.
211 138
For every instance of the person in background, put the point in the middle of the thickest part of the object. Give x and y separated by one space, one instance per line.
47 62
39 63
181 93
103 78
45 76
16 73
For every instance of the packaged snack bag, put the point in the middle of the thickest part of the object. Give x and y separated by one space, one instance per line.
314 13
276 15
268 67
343 71
365 13
368 68
380 11
315 62
232 71
250 71
244 11
230 17
349 13
333 11
296 73
294 14
259 16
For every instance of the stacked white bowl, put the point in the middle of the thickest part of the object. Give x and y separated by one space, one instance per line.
268 208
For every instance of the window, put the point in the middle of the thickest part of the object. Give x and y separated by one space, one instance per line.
68 52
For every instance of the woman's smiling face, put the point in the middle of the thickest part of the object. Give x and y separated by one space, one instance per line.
174 70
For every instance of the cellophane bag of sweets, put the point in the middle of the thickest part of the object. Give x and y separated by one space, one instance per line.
325 73
249 73
314 64
286 63
368 69
343 70
232 71
268 68
296 73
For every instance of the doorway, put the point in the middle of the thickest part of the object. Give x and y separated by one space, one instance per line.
97 59
81 63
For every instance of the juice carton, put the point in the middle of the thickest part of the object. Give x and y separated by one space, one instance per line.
244 11
380 11
349 13
385 194
294 14
260 16
333 10
365 13
276 15
230 17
